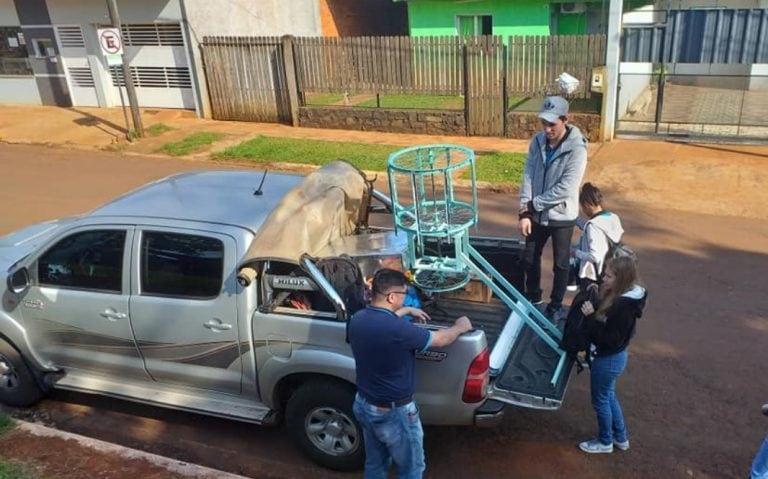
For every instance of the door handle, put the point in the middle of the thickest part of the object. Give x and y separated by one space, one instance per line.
112 314
215 325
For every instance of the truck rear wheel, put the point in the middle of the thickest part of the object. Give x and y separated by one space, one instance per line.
320 419
18 386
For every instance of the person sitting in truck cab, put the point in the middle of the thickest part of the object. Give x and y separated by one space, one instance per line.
298 300
411 300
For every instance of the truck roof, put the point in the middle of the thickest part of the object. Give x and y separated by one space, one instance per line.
225 197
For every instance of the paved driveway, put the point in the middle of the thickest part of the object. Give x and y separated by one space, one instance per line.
699 110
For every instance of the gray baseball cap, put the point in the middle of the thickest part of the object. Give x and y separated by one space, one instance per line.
553 108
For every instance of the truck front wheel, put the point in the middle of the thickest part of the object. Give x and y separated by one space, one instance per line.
320 420
17 384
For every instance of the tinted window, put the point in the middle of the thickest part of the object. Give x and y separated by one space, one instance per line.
89 260
181 265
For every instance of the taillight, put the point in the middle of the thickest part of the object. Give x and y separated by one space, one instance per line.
476 385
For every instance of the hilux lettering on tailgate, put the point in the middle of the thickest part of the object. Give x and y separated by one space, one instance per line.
435 356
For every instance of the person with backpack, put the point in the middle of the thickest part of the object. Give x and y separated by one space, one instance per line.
611 324
602 231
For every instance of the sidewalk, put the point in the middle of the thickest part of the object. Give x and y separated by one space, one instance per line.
710 178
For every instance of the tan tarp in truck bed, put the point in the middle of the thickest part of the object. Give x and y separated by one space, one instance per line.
323 207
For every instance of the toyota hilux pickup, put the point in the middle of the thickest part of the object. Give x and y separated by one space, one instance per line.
177 295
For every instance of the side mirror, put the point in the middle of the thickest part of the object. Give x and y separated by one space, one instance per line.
18 281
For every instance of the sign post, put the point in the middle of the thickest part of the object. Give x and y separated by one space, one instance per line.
112 48
111 42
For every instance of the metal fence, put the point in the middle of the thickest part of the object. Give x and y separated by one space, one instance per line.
699 36
690 105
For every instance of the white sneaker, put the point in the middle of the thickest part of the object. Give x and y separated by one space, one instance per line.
594 446
621 445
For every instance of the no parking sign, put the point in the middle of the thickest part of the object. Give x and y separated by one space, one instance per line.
111 45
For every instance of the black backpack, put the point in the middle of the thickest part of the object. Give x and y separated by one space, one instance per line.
576 333
347 279
615 248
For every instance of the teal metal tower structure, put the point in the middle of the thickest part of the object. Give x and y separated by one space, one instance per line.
426 206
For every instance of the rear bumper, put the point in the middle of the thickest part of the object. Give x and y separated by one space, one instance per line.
489 414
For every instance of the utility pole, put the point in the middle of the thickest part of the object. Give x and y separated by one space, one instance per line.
138 126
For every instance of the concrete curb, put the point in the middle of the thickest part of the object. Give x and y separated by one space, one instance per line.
177 467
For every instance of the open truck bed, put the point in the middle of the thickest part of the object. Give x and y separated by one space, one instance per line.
525 377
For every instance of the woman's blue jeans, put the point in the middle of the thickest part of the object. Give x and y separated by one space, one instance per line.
760 464
391 435
610 420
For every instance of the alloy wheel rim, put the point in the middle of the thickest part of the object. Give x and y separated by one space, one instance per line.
331 431
9 379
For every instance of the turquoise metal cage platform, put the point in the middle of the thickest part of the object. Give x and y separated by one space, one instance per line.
425 204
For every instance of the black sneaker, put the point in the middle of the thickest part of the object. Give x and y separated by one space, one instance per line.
534 300
552 311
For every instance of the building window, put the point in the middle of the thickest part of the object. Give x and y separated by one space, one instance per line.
13 52
43 48
469 25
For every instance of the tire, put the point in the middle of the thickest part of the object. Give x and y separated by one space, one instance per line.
320 420
18 386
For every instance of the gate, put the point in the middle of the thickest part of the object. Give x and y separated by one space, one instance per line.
485 71
246 79
700 74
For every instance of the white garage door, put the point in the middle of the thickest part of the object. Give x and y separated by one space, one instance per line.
159 65
76 66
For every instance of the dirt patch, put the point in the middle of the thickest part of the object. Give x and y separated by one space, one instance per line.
698 178
67 459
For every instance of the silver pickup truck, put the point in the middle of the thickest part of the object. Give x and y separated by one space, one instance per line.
175 295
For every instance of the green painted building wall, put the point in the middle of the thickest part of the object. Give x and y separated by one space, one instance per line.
436 17
571 24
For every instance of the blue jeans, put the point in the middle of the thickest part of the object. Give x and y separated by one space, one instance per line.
760 464
391 435
603 374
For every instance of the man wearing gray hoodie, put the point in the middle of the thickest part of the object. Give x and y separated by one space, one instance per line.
549 198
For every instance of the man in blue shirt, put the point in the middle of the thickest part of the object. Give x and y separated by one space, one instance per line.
384 347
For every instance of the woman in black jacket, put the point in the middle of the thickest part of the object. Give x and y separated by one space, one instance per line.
611 327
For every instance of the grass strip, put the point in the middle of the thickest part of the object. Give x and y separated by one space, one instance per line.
6 423
190 144
15 470
427 102
499 167
493 167
325 99
12 469
157 129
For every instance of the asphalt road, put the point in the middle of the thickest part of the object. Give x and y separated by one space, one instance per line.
691 394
